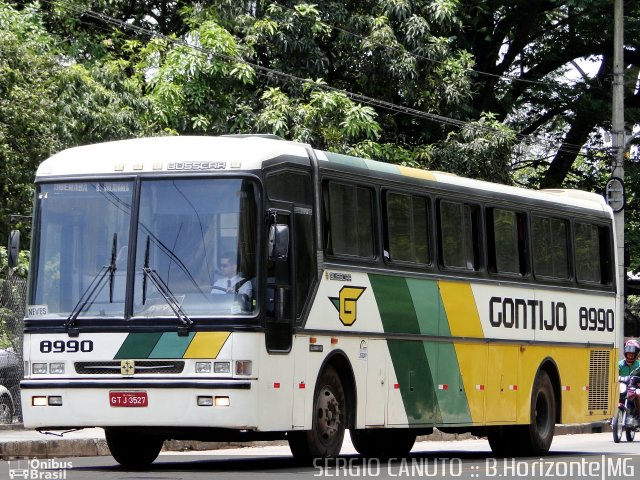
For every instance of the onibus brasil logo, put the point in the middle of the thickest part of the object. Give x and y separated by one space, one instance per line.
346 303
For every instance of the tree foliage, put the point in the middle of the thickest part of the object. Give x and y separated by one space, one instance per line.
470 87
49 101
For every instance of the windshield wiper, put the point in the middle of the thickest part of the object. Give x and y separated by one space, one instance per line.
87 297
166 293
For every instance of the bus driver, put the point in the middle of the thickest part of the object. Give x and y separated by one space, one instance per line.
232 281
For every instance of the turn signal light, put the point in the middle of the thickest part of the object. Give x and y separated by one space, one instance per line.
39 401
244 367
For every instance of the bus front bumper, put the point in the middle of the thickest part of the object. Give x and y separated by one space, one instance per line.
139 402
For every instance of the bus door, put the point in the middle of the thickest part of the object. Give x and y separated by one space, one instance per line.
290 281
279 296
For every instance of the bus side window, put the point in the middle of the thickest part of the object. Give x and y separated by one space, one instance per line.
459 238
550 247
406 221
349 220
592 247
507 242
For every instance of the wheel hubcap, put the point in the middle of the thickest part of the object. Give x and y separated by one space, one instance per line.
328 415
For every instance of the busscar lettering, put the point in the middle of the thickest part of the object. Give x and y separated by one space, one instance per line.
196 166
523 313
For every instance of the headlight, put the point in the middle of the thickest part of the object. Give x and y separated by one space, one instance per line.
222 367
39 368
56 368
203 367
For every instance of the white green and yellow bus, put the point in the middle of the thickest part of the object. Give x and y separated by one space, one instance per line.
368 297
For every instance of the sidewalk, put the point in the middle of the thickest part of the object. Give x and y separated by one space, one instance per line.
16 442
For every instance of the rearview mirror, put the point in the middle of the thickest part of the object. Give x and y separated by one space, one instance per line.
13 248
278 242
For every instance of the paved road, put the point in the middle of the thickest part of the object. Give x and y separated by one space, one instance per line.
589 456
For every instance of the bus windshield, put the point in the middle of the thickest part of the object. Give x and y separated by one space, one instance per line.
197 237
196 240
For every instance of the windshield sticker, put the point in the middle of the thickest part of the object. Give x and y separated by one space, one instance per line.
70 187
35 311
113 187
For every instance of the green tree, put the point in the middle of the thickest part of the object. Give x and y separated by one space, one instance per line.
537 42
466 83
49 102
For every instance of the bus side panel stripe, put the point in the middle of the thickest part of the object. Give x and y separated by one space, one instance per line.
381 166
464 321
452 400
395 299
394 304
445 329
138 345
206 345
417 173
473 368
416 381
461 309
172 345
426 302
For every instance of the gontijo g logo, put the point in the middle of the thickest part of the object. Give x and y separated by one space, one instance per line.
346 303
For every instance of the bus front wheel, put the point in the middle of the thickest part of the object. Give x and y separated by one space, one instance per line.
328 423
133 450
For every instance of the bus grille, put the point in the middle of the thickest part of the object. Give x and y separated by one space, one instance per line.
598 380
141 366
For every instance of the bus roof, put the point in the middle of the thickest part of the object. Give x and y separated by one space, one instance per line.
578 198
249 152
157 154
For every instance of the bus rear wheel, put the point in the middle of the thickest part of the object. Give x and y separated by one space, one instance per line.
383 443
535 438
133 450
532 439
324 440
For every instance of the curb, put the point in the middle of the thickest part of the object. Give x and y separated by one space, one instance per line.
92 447
86 447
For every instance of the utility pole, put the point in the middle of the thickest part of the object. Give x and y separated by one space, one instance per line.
617 127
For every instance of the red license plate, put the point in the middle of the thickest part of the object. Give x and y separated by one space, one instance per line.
128 399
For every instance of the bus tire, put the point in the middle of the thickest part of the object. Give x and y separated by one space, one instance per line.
383 443
133 450
324 440
535 438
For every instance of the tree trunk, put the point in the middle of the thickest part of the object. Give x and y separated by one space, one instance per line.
574 140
